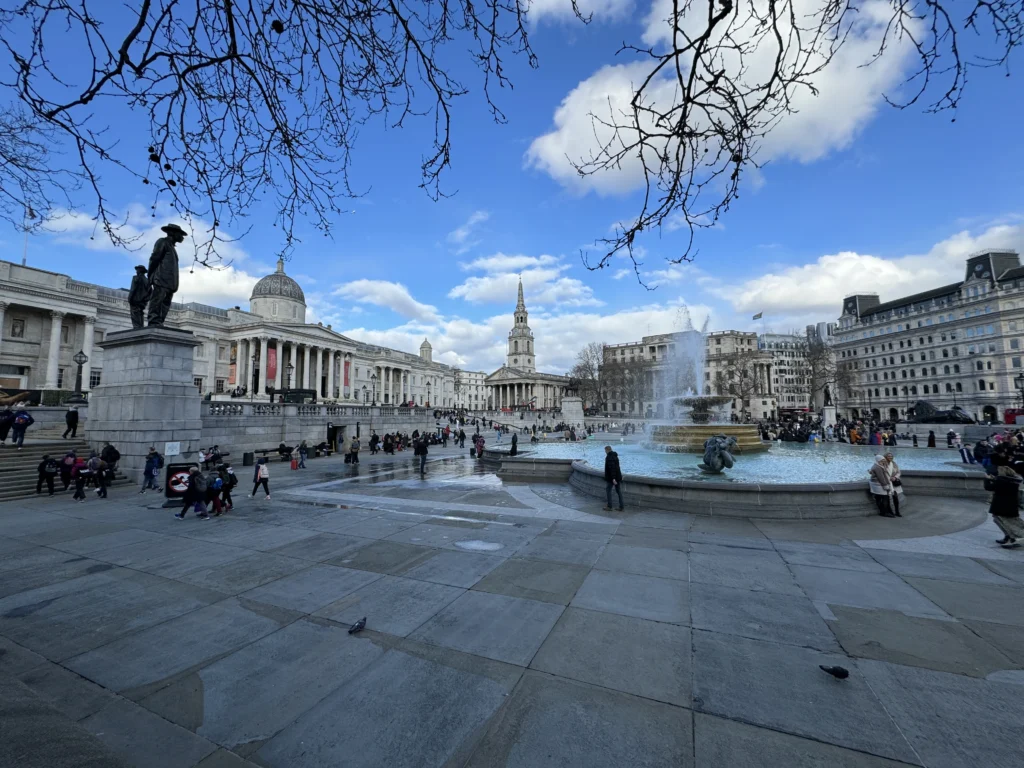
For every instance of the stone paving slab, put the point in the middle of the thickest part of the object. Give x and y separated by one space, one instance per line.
173 556
392 604
782 688
535 580
564 548
508 629
322 546
1000 605
951 720
311 589
1010 570
65 691
753 569
143 739
892 636
780 618
945 567
49 570
864 590
377 527
456 569
720 743
1006 637
645 658
651 538
843 557
644 561
157 653
643 597
430 708
74 616
247 697
589 726
244 573
385 557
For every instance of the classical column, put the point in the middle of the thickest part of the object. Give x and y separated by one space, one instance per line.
278 348
305 366
264 355
53 360
331 362
388 394
242 362
90 335
3 309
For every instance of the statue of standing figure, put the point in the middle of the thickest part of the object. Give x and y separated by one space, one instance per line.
138 295
163 274
718 454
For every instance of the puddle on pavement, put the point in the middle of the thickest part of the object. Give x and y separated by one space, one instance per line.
475 545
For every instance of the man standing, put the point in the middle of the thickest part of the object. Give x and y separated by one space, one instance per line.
163 274
421 451
71 420
22 421
612 477
47 471
151 470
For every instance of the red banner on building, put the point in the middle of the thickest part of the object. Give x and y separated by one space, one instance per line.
271 366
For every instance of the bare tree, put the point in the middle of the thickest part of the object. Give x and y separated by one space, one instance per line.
587 372
725 73
628 381
736 374
251 99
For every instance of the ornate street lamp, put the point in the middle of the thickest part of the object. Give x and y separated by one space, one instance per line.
80 359
289 370
428 394
366 395
373 382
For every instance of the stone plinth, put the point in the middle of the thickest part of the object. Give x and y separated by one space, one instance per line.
828 415
572 411
689 438
147 397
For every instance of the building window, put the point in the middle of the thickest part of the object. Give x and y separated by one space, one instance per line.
94 378
1014 343
65 334
981 384
198 382
60 378
17 328
1015 362
222 353
219 386
959 388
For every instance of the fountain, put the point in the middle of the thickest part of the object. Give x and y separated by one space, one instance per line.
697 418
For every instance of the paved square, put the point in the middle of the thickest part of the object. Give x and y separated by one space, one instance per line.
535 580
627 594
392 604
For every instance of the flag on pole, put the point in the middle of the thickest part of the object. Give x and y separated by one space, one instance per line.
758 315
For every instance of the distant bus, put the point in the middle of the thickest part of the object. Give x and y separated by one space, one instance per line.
1013 416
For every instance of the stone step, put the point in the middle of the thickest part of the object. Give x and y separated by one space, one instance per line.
23 488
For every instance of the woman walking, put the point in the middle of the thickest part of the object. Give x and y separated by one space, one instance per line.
81 474
303 453
1005 506
881 486
261 477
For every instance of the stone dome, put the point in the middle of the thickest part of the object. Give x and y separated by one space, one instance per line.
278 285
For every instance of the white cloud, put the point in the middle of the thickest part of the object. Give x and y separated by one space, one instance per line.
562 9
501 262
393 296
849 95
543 286
226 287
460 237
816 290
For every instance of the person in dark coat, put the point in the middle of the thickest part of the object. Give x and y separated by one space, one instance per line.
515 445
138 295
931 439
22 421
67 466
6 422
71 420
612 477
1005 504
47 470
163 274
420 449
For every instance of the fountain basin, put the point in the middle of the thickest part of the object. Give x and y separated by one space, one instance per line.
689 438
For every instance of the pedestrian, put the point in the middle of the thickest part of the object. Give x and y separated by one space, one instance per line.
374 443
230 481
515 445
111 455
303 453
214 486
389 446
22 421
931 438
612 477
195 492
71 420
67 465
47 470
346 449
6 422
880 484
478 443
965 452
462 438
895 481
950 437
154 461
1005 486
80 473
421 451
98 469
261 477
354 448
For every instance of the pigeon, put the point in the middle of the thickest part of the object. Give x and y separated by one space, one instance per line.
360 625
840 673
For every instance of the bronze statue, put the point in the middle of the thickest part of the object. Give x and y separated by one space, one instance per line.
163 274
138 295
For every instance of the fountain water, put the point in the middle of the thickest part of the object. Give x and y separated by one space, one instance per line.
694 417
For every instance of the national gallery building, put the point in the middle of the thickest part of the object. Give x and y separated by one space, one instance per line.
47 318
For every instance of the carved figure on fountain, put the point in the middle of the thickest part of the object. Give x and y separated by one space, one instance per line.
718 453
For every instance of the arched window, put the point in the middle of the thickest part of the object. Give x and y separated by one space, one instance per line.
956 369
933 370
515 346
959 388
981 384
924 371
945 369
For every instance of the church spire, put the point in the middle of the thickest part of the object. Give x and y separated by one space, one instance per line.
520 305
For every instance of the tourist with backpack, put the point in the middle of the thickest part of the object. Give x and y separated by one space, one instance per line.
67 465
154 463
47 469
71 420
303 453
261 477
81 474
22 421
230 480
195 492
98 470
214 486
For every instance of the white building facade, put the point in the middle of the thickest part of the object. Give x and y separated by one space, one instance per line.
46 318
472 394
956 345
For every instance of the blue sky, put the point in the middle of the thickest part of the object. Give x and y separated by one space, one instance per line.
857 196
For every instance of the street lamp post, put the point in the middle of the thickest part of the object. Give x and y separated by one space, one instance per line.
289 370
373 382
428 394
1019 382
80 360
